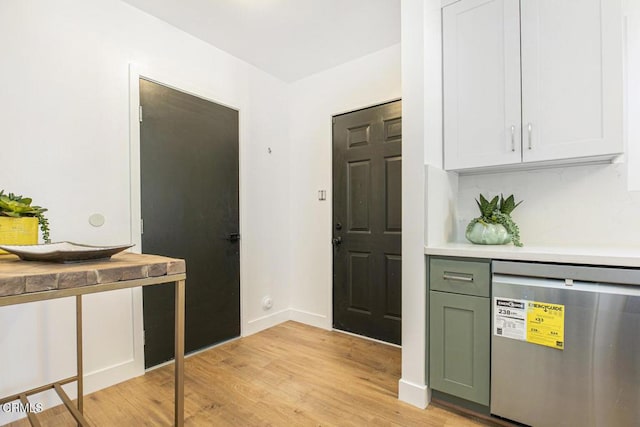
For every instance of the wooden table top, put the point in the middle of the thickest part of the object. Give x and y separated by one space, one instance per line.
19 277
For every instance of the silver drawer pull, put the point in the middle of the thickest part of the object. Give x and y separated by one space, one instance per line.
457 276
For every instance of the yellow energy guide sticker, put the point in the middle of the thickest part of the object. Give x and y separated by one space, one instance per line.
545 324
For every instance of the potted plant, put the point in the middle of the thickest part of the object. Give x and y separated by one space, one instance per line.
19 221
494 226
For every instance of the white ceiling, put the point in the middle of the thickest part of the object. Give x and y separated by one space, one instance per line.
289 39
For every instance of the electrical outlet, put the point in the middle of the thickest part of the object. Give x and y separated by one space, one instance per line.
267 303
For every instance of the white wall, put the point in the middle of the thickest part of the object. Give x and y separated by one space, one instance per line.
632 100
64 134
412 385
364 82
571 206
421 124
441 199
265 179
429 193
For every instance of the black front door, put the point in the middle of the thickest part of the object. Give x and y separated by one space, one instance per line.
189 195
367 222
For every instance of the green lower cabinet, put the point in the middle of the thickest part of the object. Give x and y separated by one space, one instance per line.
459 345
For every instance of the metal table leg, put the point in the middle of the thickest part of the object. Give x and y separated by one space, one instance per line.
179 354
79 353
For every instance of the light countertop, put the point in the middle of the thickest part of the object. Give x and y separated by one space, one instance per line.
623 257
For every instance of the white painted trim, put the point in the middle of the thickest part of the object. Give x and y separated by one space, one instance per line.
363 107
366 338
138 330
414 394
134 158
446 3
182 81
311 319
266 322
111 375
193 353
126 369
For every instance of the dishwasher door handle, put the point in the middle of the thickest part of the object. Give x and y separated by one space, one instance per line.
461 277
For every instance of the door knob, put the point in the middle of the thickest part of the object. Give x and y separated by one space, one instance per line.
336 241
338 226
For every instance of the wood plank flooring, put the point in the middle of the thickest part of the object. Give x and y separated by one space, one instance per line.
289 375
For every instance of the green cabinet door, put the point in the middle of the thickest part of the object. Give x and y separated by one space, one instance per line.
459 345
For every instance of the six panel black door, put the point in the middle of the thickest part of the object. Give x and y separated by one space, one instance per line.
367 215
189 196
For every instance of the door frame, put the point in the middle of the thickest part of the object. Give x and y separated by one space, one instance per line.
186 82
331 220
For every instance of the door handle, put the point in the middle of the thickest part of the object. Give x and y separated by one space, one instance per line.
513 138
530 131
336 241
233 237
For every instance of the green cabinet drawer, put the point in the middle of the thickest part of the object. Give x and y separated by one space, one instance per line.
460 276
459 341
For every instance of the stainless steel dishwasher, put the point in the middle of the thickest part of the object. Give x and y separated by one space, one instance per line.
565 345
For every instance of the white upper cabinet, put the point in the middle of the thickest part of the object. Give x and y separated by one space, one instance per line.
481 59
531 81
571 78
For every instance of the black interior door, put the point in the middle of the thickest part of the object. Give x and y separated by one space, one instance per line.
189 195
367 220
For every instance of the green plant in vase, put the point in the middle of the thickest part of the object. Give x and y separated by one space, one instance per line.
494 226
13 206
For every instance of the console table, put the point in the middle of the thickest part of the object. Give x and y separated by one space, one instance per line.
27 281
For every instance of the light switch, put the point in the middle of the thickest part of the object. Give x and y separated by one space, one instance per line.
322 194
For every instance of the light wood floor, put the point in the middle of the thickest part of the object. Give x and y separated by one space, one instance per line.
289 375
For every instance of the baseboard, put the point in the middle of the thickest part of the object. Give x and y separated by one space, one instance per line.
311 319
366 338
273 319
111 375
265 322
414 394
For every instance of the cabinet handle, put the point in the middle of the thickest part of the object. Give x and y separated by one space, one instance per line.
458 276
530 131
513 138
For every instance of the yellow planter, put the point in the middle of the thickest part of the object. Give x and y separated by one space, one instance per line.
18 231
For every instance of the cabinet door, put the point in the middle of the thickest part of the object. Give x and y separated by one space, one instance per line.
459 361
481 83
571 78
